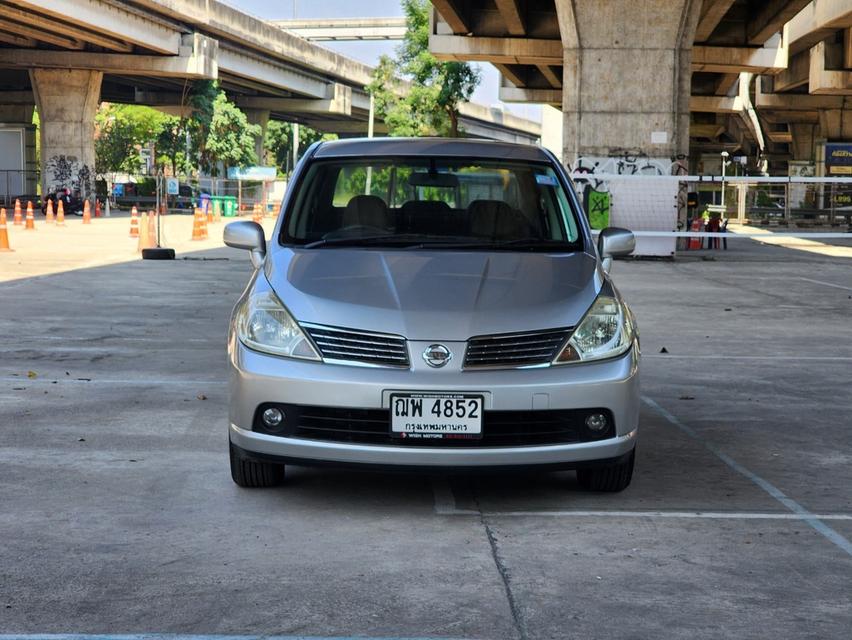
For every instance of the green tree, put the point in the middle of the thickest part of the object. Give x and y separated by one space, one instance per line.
430 104
171 145
200 97
230 140
122 130
279 142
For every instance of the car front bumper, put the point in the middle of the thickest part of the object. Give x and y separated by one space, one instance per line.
257 378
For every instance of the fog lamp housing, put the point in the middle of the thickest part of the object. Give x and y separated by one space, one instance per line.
597 422
272 417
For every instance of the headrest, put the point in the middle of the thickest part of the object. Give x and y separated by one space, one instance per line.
369 211
496 219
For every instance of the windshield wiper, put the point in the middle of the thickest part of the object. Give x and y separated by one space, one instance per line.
518 243
363 241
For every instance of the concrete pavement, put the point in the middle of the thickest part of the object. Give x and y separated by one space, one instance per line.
119 515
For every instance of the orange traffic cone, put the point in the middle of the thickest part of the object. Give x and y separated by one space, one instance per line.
18 219
48 213
4 234
60 214
134 223
209 213
199 226
87 213
142 242
30 226
146 232
97 208
152 230
697 227
204 226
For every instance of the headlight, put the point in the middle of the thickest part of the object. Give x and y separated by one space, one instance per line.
606 331
263 324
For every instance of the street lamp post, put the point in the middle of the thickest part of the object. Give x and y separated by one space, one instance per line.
725 155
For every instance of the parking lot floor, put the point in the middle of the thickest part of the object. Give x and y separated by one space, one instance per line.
119 516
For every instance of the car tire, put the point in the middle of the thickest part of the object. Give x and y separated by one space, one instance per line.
252 473
158 253
610 478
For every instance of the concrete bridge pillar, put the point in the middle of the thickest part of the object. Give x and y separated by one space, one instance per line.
67 101
626 83
803 141
261 117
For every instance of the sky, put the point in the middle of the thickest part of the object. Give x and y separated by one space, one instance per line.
369 52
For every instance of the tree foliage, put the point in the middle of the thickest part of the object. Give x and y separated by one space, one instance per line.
230 140
431 102
123 130
279 143
171 145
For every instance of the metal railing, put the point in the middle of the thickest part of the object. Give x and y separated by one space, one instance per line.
21 184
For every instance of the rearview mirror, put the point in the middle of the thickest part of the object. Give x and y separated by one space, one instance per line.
615 242
433 179
247 235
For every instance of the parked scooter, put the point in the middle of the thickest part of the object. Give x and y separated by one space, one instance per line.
73 205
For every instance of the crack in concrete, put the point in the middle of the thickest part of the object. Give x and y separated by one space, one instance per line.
505 576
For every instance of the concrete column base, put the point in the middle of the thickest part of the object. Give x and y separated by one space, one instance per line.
67 101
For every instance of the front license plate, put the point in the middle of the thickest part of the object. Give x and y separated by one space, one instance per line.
436 415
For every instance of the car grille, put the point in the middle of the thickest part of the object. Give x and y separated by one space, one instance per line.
499 428
359 346
514 349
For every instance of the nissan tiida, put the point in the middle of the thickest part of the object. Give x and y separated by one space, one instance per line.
432 304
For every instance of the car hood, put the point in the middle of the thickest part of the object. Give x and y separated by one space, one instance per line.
434 295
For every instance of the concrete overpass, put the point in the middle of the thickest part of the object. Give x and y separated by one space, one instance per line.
345 29
673 80
810 102
65 56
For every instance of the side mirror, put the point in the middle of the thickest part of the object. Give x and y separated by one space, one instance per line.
614 242
247 235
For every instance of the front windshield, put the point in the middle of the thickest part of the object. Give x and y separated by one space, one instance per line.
444 203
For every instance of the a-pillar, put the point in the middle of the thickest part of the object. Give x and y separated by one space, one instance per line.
261 117
626 82
67 101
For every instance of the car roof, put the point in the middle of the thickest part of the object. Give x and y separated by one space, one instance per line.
455 147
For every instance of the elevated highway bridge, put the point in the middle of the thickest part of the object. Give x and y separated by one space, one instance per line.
678 80
66 56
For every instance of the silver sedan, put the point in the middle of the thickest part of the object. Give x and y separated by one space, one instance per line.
436 304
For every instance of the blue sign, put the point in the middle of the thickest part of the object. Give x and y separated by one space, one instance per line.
262 174
838 158
118 190
172 186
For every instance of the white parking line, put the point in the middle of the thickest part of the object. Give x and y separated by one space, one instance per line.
688 515
46 379
177 636
56 338
812 520
685 356
826 284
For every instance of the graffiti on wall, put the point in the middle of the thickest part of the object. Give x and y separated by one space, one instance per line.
623 162
65 172
598 208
